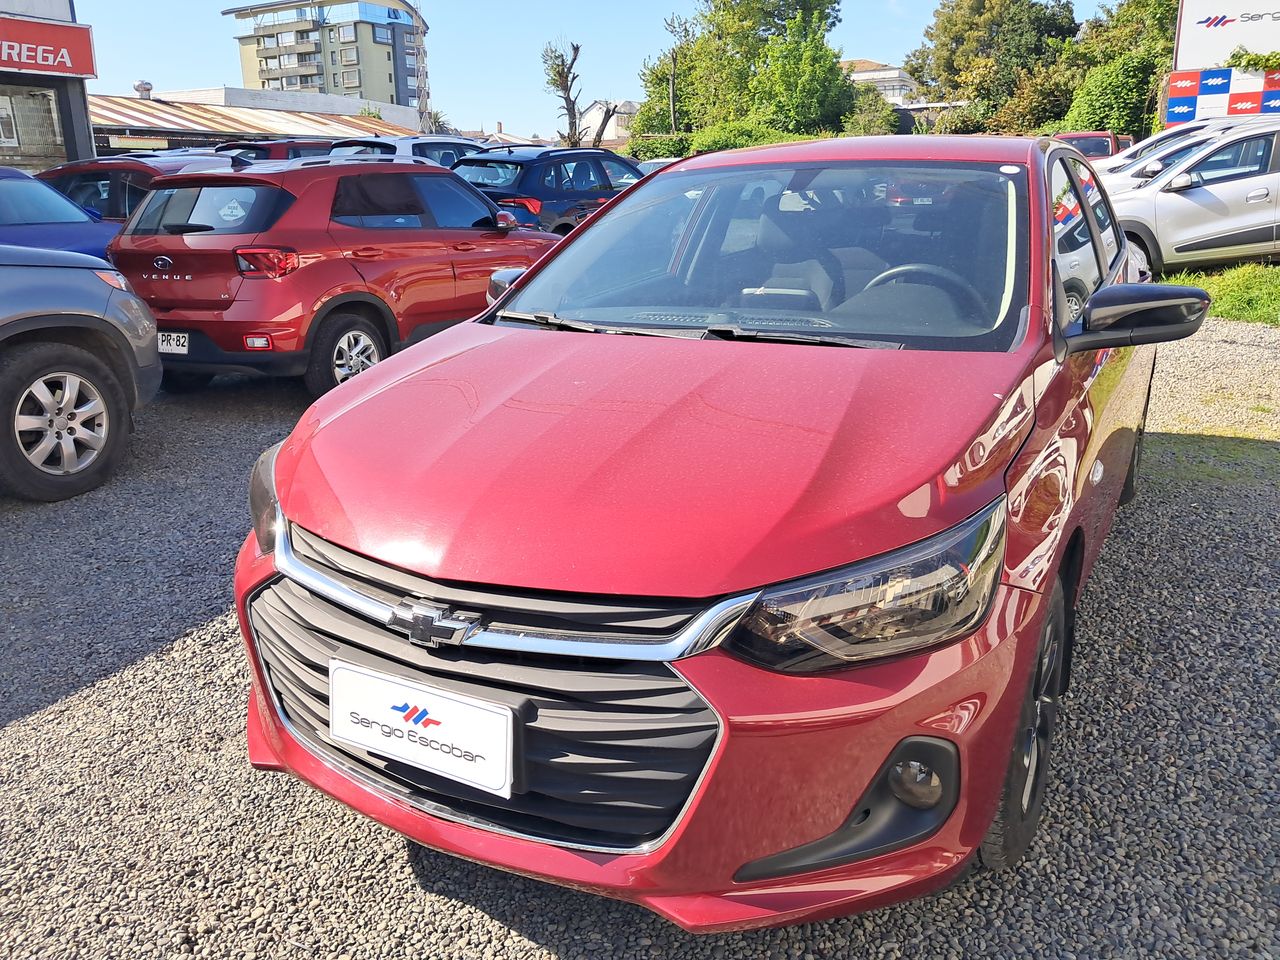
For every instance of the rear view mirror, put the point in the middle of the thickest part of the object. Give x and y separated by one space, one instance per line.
1150 170
505 220
501 280
1129 314
1184 181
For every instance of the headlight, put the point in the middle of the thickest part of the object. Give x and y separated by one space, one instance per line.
263 505
916 597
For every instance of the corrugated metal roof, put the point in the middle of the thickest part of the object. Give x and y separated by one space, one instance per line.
138 115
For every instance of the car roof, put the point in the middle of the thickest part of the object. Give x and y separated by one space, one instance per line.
159 165
13 173
412 138
975 149
277 172
524 153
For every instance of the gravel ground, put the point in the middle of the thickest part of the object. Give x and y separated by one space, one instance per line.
133 826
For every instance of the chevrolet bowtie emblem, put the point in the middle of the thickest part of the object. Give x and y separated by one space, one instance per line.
430 625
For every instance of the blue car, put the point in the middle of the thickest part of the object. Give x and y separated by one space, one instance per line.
33 214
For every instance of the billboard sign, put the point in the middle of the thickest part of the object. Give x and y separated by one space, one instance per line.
1209 30
43 46
1201 94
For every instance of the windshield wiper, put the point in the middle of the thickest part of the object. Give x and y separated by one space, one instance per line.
186 227
549 320
734 332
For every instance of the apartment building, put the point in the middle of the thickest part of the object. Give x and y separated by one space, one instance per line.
365 50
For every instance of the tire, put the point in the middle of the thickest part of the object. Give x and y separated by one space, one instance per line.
184 381
33 380
1076 299
1141 254
1022 797
344 341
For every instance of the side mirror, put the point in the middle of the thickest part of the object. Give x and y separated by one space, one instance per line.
94 213
500 281
1129 314
1150 170
1184 181
505 220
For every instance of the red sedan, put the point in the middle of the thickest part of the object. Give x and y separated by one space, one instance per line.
727 563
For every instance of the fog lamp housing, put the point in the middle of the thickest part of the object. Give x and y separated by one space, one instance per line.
257 343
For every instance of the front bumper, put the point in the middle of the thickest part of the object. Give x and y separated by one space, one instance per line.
794 756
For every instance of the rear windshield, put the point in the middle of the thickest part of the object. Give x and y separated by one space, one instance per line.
30 201
361 149
1091 146
488 173
239 208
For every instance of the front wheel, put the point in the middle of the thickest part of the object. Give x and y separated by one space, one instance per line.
64 419
345 345
1141 257
1022 799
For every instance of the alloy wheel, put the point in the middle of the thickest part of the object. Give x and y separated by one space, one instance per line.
1043 716
61 423
354 352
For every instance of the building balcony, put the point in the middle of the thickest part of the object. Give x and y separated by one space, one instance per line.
301 70
283 27
307 46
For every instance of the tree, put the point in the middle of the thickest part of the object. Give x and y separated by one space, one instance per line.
609 110
798 85
871 114
558 62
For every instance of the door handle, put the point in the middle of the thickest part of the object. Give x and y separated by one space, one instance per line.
464 246
366 253
1074 264
1258 195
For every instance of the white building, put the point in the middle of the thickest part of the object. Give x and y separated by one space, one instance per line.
895 84
617 130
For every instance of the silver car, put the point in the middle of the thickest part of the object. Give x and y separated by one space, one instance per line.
1218 204
77 356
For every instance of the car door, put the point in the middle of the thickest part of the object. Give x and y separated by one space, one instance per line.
1109 386
583 187
465 223
385 231
1229 208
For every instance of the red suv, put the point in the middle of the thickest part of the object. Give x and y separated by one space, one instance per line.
733 563
314 267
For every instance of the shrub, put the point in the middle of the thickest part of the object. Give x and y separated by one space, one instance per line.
1116 96
652 148
1249 292
738 133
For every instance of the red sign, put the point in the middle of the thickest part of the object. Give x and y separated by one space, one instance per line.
1184 84
1244 103
41 46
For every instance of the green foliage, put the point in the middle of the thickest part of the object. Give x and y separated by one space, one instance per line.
798 85
373 112
969 118
1243 59
1249 292
651 148
736 134
1116 96
871 114
1043 95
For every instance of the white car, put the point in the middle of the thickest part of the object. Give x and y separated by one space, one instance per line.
442 149
1141 169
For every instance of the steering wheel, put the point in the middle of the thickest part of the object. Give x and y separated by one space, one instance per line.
949 278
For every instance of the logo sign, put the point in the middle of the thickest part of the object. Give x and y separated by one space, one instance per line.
1203 94
430 625
39 46
451 734
1209 30
162 263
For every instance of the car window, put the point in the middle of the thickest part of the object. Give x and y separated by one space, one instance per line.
488 173
232 209
317 151
362 149
23 200
1109 236
131 189
791 248
551 177
1073 240
379 201
581 176
1091 146
87 189
1244 158
619 174
450 204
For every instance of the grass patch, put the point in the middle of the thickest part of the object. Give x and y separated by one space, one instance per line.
1220 460
1249 292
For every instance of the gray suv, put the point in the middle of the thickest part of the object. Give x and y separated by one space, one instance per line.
77 357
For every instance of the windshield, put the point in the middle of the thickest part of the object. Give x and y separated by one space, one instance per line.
830 250
488 173
239 209
29 201
361 149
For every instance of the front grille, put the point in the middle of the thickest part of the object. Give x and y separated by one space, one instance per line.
607 751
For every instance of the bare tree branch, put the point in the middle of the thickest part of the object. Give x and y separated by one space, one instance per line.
558 62
609 110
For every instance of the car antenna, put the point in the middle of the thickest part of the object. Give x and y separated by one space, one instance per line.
239 161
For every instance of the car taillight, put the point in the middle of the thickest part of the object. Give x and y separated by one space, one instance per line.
271 262
532 204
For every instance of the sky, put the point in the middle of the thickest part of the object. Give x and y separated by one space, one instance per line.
485 60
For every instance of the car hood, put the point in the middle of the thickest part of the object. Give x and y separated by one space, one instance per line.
649 466
89 238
